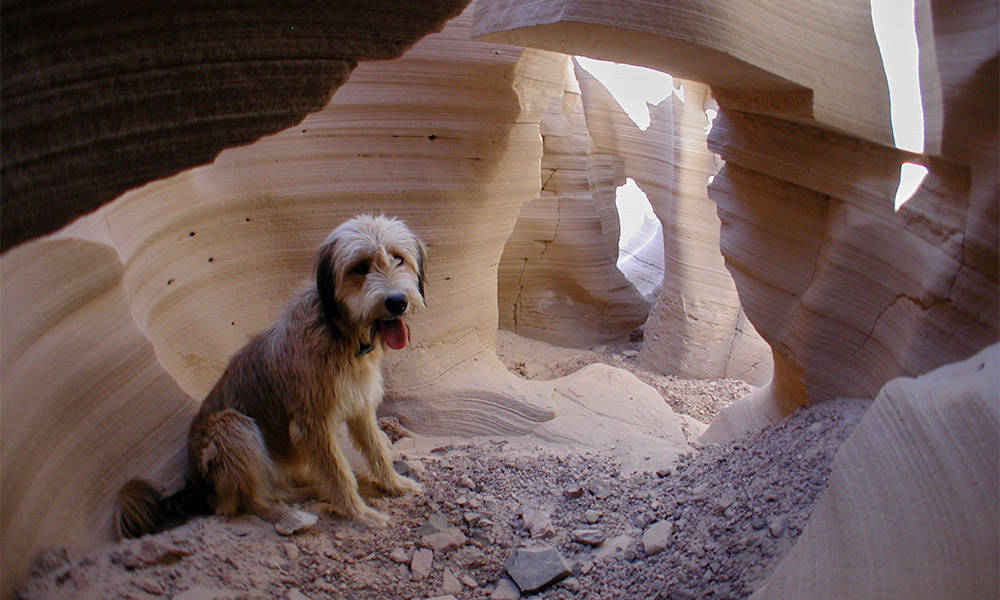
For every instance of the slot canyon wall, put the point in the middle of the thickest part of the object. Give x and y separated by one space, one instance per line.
558 281
848 293
505 160
173 277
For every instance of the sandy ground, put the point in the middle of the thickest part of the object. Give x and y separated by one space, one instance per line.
698 398
713 526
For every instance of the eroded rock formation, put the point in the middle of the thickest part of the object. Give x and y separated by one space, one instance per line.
696 328
177 275
80 383
935 435
557 278
112 326
848 292
101 97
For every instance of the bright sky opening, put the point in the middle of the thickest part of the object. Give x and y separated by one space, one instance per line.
896 33
633 87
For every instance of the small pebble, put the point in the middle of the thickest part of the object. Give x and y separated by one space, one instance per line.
399 555
421 563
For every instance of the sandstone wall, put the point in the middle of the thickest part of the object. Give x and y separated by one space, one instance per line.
109 328
559 282
848 292
696 328
924 513
557 277
102 96
86 404
116 326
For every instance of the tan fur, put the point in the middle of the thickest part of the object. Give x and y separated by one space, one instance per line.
273 412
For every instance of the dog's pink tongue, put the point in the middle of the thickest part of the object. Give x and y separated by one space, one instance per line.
394 332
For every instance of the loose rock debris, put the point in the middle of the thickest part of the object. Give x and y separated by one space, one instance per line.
713 526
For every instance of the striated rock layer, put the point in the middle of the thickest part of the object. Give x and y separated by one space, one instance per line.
114 325
921 462
558 281
848 292
100 97
696 328
80 385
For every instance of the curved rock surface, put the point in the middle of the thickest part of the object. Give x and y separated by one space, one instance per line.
450 128
696 328
777 58
558 281
914 492
111 327
75 425
855 293
100 97
849 293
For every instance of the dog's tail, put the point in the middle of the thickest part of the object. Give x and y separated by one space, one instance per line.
142 509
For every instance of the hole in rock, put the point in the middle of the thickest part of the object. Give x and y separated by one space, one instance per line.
635 88
640 243
895 27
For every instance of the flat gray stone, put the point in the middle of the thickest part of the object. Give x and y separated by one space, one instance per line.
599 488
657 537
435 523
776 526
444 540
534 569
469 557
154 552
614 546
399 555
450 583
592 516
505 590
537 521
591 537
421 563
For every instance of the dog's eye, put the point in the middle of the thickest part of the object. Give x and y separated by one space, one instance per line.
361 268
398 259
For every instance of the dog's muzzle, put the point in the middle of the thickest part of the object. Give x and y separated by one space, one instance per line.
393 329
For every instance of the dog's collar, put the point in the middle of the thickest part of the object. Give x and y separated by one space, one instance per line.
363 349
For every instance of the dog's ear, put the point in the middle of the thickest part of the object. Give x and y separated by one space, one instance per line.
325 286
421 259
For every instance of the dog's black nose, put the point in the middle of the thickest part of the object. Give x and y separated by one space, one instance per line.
396 304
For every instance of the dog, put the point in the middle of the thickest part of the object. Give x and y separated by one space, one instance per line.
270 420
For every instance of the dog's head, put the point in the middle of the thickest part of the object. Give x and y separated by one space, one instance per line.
370 276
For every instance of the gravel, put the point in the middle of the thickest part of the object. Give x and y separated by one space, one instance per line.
724 516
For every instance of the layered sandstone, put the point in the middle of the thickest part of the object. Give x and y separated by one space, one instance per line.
86 403
696 328
101 97
558 281
114 328
936 439
848 292
110 328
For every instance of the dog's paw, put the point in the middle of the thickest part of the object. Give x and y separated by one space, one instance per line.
400 485
370 517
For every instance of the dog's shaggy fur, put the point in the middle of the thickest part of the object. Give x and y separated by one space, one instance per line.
271 418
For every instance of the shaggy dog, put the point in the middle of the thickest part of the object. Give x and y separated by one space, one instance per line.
271 418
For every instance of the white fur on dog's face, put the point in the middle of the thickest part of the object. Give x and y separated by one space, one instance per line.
370 259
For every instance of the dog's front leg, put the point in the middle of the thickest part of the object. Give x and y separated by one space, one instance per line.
373 444
330 467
